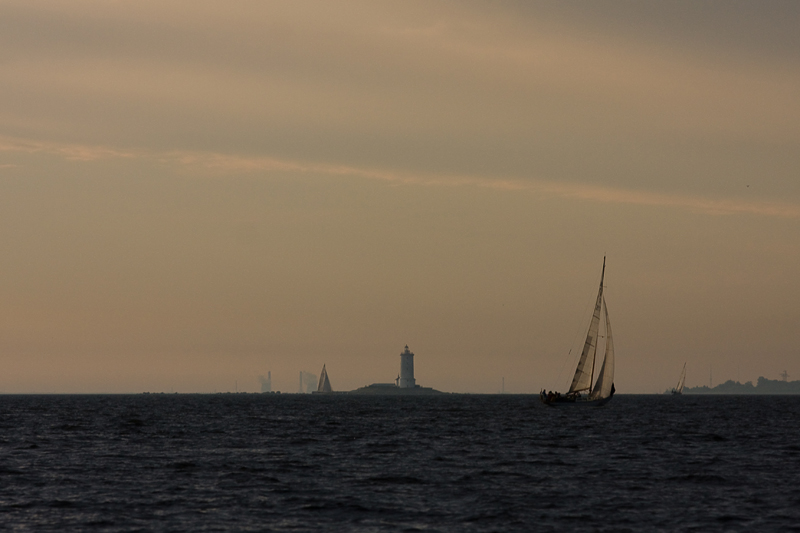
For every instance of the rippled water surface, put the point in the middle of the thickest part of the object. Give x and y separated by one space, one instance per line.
450 463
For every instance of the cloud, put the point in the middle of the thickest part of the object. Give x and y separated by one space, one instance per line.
70 152
445 91
233 165
711 206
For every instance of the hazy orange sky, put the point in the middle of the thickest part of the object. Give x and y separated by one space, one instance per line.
195 193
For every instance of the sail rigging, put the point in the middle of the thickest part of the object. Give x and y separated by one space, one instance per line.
582 380
679 387
605 381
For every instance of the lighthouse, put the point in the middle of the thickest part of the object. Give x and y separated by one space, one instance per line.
406 379
405 384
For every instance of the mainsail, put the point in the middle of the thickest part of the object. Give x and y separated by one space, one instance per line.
324 382
583 374
605 381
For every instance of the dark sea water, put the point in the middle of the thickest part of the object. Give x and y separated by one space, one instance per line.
452 463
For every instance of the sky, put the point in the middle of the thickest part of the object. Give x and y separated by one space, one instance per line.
195 193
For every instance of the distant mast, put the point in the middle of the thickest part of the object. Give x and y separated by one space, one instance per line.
679 387
266 383
406 379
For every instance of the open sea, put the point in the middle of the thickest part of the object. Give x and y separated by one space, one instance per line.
248 462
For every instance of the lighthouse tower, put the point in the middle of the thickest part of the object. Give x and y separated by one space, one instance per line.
406 379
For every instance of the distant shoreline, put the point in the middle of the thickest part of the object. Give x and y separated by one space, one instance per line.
762 387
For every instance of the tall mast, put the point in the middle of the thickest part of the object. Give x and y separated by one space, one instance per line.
594 355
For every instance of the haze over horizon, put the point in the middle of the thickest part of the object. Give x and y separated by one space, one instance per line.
195 193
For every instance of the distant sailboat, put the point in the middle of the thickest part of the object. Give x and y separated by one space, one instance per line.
324 382
604 389
679 387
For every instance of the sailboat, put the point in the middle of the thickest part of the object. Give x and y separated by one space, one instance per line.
324 383
679 387
581 392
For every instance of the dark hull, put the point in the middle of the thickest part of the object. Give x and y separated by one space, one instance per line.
565 402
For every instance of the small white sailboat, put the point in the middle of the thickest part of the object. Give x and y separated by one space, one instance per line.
679 387
581 392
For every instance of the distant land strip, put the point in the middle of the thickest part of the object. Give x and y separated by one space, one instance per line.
762 386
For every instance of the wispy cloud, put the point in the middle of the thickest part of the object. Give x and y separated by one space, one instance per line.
70 152
711 206
593 193
231 164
